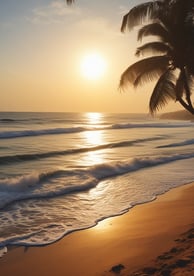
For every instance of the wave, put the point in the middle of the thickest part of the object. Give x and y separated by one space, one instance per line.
39 185
23 120
152 125
4 160
54 131
180 144
24 133
7 120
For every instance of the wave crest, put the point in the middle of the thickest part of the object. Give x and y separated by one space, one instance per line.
52 131
34 156
39 185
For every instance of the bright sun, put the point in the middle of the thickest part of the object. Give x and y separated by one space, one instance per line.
93 66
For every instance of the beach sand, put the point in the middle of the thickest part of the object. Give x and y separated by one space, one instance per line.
155 238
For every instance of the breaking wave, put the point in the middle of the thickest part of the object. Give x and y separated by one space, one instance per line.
38 185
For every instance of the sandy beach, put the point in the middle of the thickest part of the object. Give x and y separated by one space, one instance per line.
155 238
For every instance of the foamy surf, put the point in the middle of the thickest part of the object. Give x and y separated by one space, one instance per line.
40 185
65 172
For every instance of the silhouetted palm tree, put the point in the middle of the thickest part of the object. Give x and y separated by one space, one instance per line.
172 21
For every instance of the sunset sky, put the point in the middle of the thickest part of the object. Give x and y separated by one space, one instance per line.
44 49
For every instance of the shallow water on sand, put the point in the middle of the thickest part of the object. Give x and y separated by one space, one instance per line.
60 172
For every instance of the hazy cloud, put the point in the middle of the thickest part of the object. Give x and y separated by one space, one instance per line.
56 12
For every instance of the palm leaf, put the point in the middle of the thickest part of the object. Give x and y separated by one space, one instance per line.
155 29
148 76
144 70
153 47
190 51
139 13
179 88
163 91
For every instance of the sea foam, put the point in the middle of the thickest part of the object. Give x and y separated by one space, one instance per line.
39 185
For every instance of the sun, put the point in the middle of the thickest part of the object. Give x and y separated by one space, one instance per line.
93 66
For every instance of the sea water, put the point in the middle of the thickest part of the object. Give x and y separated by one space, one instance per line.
60 172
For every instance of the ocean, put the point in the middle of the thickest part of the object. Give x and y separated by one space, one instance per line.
61 172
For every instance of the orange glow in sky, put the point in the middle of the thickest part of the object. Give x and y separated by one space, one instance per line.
61 58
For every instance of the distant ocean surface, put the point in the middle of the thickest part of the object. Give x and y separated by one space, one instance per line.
61 172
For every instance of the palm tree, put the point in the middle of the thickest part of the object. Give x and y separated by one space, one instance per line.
172 63
172 21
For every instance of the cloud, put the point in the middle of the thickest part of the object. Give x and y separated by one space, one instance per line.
56 12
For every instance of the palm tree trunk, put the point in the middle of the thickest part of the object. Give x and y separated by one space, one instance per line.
188 106
185 105
188 92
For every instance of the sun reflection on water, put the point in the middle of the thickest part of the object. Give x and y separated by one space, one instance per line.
93 139
94 118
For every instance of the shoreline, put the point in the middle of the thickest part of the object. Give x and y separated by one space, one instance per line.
133 239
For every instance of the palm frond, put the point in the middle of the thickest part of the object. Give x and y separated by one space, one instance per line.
163 91
153 47
139 13
154 29
144 70
179 87
148 76
190 51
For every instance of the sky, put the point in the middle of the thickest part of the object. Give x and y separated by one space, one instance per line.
43 45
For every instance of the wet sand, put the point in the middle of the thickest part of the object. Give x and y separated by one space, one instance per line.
155 238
